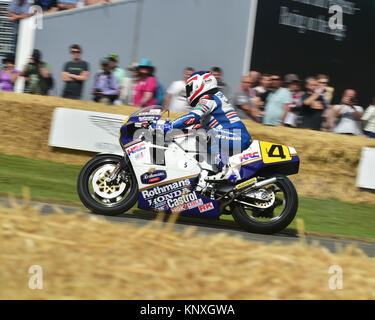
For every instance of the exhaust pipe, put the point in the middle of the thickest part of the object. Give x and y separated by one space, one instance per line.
244 189
263 183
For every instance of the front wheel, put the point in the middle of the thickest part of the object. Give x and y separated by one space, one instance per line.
272 216
99 196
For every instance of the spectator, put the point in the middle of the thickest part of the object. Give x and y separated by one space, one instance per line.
105 84
242 100
255 77
48 6
277 103
127 85
348 114
118 72
327 93
223 87
8 75
176 94
91 2
37 75
18 10
74 74
313 105
262 91
264 86
293 84
144 94
66 4
369 120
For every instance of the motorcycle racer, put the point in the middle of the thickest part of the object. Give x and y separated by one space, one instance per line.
213 111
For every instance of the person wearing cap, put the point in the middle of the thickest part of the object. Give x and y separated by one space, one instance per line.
293 84
74 74
37 74
8 75
105 84
127 85
118 72
144 94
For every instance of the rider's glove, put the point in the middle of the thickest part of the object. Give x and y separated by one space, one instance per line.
167 126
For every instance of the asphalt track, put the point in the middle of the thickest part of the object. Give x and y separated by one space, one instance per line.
142 218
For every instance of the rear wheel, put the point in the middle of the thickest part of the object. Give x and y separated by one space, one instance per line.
269 216
101 197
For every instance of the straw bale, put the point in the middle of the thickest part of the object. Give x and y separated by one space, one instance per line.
85 258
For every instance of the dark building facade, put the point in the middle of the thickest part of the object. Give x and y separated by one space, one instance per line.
310 37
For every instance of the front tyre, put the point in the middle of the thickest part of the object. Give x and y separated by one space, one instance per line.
271 219
99 196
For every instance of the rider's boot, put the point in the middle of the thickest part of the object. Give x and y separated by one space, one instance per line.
226 173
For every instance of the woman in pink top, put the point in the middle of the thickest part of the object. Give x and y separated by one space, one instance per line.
8 75
144 94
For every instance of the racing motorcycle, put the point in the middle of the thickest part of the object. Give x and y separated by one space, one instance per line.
170 175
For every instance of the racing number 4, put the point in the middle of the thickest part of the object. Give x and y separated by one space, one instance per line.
280 154
272 153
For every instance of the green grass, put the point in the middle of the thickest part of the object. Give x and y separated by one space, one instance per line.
46 180
57 182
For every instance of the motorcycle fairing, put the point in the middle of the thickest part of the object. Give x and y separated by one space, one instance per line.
262 157
175 192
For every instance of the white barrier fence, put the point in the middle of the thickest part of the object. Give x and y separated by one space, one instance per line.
366 170
86 130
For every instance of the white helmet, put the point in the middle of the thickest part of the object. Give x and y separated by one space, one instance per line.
199 83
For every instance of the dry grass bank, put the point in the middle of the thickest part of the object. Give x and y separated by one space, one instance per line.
328 162
89 258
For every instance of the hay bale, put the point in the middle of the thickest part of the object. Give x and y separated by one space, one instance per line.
83 258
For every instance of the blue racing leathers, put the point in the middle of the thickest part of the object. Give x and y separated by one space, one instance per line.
228 134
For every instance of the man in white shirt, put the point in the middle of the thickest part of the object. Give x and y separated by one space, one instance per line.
176 94
349 115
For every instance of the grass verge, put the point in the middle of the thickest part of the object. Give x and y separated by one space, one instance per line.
57 182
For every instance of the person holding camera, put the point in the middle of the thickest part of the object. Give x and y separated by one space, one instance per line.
105 84
313 105
37 75
348 114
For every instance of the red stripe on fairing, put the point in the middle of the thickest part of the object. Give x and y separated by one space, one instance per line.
206 76
197 92
192 79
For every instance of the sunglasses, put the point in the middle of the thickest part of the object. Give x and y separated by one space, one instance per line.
323 82
75 51
275 79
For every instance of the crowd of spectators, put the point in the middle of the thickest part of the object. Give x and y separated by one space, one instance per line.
19 9
273 100
269 99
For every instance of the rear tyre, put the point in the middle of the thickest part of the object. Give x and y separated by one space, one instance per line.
100 197
273 219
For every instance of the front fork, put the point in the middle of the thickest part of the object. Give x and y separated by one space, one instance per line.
120 172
